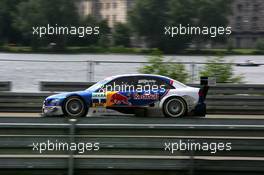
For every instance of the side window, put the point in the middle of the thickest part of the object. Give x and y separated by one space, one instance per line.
123 84
151 83
164 84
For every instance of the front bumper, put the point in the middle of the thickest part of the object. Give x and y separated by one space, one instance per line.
51 111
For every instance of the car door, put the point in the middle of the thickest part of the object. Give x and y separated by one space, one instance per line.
120 92
147 91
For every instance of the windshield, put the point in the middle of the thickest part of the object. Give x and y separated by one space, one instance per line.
98 85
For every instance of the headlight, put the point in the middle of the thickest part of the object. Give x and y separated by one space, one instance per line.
53 102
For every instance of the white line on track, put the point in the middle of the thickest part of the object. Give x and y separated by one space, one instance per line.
134 125
135 157
34 115
172 125
140 136
35 124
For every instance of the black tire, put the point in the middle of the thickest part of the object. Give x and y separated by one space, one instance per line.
74 107
174 107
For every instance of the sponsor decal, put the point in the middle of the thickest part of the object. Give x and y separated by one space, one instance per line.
119 99
165 93
98 99
98 95
144 81
95 105
146 97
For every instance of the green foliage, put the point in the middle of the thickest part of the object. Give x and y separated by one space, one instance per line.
230 46
175 71
92 40
149 17
34 13
121 35
222 72
260 45
105 30
8 33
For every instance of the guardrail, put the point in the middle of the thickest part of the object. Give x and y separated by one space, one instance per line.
131 145
222 99
64 86
22 102
5 86
216 104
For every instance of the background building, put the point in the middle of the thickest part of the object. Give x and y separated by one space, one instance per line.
247 19
111 10
247 22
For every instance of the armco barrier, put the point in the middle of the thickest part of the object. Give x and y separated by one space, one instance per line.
131 146
21 102
216 104
222 99
5 86
64 86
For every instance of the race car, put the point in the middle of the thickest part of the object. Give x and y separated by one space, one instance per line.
129 93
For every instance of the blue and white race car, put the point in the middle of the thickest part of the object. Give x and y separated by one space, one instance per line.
129 93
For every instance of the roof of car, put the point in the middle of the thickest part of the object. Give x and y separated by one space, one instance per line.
147 75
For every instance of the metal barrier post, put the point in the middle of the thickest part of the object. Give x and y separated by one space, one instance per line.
90 71
71 153
193 72
191 172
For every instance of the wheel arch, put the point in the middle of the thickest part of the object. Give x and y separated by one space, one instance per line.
172 96
178 97
75 95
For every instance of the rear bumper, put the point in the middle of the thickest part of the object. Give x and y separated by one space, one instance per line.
200 110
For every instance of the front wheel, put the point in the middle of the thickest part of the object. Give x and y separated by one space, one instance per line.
174 107
75 107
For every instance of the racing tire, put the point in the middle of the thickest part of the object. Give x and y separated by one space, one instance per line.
74 107
174 107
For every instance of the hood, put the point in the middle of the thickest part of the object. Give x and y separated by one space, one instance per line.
65 95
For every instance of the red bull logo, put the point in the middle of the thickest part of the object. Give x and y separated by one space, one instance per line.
119 99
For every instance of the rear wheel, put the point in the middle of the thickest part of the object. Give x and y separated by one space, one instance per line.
174 107
75 107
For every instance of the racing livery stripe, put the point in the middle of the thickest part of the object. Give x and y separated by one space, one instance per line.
165 93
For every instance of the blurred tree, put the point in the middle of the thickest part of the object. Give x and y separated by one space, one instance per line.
8 33
104 40
88 40
260 44
222 72
212 14
149 17
121 35
175 71
30 14
230 45
34 13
